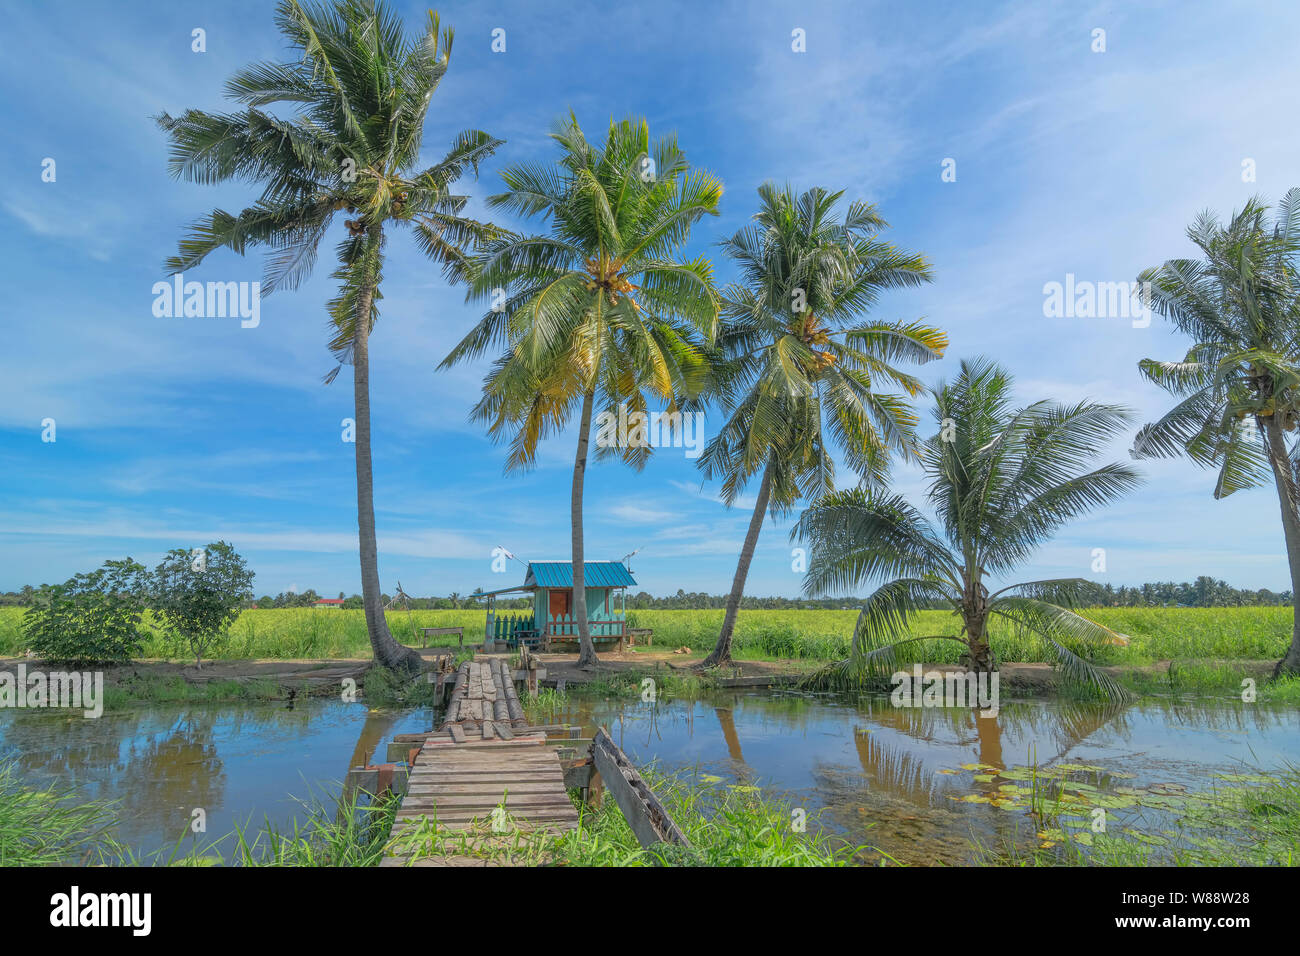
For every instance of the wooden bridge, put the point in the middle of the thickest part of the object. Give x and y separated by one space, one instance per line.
486 777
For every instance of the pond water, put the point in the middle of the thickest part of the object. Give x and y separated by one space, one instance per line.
876 775
893 778
243 764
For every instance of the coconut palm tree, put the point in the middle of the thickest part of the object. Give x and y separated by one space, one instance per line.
1239 384
600 310
1001 481
357 99
798 368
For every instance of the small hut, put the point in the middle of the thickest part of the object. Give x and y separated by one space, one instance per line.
550 622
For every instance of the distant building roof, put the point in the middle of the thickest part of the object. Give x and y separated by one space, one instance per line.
596 574
329 600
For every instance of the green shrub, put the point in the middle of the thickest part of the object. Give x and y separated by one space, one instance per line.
198 594
90 618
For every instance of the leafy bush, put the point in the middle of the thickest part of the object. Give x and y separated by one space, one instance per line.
90 618
197 594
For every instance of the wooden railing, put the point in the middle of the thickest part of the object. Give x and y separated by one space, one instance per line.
509 627
566 626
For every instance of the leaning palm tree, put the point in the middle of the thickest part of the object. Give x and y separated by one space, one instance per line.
798 368
357 99
1239 385
600 310
1001 481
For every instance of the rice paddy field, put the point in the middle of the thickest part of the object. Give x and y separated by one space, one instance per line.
1156 634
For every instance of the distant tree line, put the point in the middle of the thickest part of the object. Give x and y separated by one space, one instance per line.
1203 592
453 601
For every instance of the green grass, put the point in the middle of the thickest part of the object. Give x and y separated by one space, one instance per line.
43 826
542 708
39 826
155 689
284 633
726 827
1245 819
1156 633
332 833
1191 634
631 683
384 687
1215 679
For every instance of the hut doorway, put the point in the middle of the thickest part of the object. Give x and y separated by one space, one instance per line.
561 603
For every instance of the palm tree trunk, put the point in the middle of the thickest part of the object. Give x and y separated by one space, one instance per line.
387 651
722 650
1289 500
979 655
586 650
975 618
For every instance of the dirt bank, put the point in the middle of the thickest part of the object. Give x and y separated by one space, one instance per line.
308 676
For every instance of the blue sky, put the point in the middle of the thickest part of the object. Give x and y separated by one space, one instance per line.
173 432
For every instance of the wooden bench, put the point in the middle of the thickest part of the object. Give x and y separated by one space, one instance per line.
635 633
427 632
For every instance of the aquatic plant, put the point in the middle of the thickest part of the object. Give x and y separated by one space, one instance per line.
383 686
544 705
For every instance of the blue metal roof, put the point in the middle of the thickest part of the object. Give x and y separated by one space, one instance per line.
596 574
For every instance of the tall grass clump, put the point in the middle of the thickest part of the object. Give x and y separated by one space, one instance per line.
388 687
40 826
337 832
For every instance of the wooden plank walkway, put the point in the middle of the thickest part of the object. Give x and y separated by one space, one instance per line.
483 780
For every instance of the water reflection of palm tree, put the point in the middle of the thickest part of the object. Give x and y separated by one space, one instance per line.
989 732
916 722
892 769
1076 721
377 726
727 721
